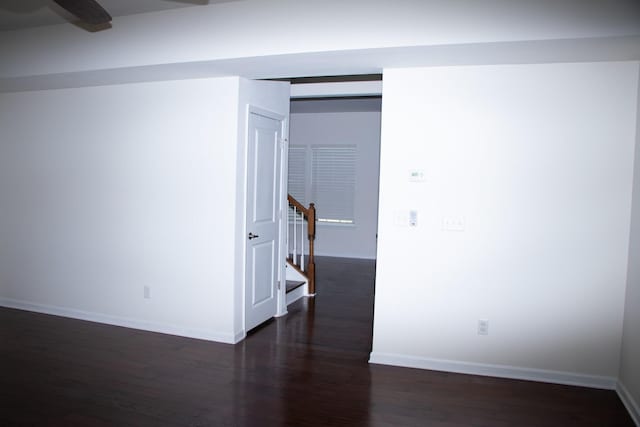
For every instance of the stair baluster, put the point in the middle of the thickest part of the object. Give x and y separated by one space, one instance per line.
306 216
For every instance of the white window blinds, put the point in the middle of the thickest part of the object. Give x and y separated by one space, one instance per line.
333 182
297 180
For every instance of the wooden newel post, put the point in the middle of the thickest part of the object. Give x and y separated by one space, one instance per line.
311 267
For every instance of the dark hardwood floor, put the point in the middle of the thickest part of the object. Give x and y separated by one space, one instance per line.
308 368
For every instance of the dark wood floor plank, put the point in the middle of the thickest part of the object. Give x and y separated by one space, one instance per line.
308 368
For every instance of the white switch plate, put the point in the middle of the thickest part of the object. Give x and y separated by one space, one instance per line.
405 218
483 327
401 218
453 223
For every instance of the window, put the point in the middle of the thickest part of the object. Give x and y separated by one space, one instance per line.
297 182
333 182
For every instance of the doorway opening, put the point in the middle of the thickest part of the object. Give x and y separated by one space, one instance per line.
334 158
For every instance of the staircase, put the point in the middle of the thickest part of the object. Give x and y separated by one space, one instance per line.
301 234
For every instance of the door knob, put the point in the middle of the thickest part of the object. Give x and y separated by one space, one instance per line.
252 236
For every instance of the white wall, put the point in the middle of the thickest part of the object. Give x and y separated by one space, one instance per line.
106 190
347 128
537 159
629 362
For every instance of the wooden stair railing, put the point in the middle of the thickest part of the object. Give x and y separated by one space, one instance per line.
298 260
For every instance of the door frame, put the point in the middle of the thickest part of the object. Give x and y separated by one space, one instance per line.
281 305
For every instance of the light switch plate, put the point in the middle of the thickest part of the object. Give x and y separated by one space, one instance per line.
401 218
453 223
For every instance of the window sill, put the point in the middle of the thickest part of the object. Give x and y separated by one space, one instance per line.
336 224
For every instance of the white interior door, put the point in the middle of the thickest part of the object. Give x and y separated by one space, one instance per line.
264 157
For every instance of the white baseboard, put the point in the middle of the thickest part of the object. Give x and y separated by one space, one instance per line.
121 321
629 402
239 337
281 313
501 371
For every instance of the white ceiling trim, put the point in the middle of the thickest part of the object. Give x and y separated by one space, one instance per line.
350 62
336 89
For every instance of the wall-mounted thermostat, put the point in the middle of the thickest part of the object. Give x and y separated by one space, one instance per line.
416 175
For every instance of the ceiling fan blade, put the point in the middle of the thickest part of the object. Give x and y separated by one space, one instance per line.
88 11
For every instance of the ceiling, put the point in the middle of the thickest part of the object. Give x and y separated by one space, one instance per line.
218 40
20 14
